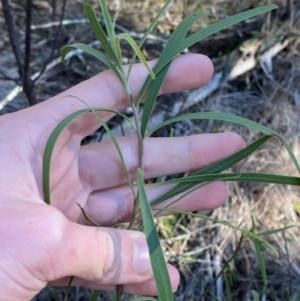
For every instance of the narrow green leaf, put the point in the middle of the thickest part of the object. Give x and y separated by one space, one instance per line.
182 29
137 51
270 232
155 86
182 44
52 141
228 289
95 295
267 245
214 28
194 181
246 233
95 53
215 298
107 20
233 119
257 240
117 14
90 13
255 295
158 263
239 177
152 94
215 168
261 261
113 139
253 225
147 32
217 116
292 155
143 299
118 52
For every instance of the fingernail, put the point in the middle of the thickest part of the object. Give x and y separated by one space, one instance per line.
142 264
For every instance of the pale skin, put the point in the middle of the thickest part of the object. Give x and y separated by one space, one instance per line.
44 245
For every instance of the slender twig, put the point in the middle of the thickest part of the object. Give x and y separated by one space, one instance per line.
12 35
54 47
133 34
27 81
138 133
119 288
290 12
53 10
119 292
7 77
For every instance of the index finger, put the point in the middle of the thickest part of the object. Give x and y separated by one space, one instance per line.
105 90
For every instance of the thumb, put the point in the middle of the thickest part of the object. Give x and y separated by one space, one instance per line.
103 255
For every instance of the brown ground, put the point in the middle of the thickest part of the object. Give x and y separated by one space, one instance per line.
199 248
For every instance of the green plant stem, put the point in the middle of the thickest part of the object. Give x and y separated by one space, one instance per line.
136 206
140 163
138 133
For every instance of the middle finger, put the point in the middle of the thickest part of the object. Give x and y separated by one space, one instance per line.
100 166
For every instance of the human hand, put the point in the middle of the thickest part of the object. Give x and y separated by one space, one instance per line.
42 244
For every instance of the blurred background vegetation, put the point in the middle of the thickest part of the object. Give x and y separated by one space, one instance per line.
257 76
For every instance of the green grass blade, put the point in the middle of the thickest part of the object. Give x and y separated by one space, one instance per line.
95 53
99 32
148 31
136 50
233 119
52 141
215 168
239 177
261 261
260 242
246 233
95 295
292 155
154 86
267 233
158 263
215 298
107 20
227 288
255 295
266 245
117 15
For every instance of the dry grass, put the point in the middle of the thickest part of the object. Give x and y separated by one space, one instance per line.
274 103
197 247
